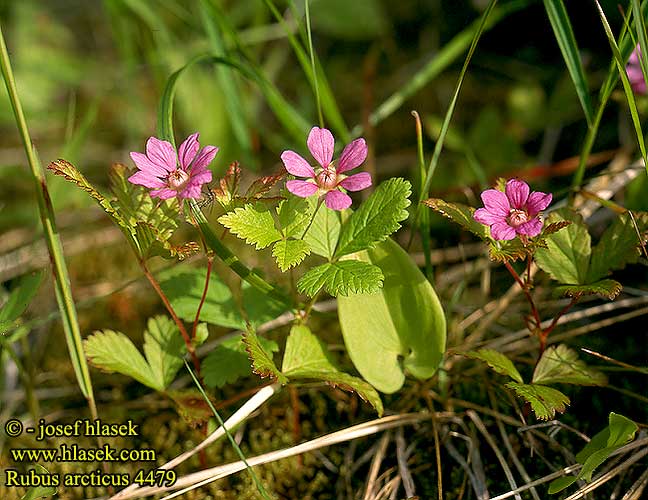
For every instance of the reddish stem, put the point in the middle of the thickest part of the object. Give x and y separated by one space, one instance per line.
174 316
210 262
525 289
544 334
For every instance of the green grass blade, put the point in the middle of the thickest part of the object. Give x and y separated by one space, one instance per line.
287 115
62 287
640 26
632 104
564 34
438 63
226 79
311 53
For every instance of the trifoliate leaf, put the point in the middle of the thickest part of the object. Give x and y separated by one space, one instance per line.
399 329
566 258
560 364
114 352
498 362
289 253
164 348
377 218
618 246
262 363
460 214
253 223
545 401
342 278
306 356
294 214
324 232
608 289
229 361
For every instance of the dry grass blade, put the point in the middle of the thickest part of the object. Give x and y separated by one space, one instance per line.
374 470
479 486
635 491
402 455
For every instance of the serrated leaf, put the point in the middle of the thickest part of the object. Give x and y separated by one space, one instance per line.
460 214
262 185
608 289
377 218
507 251
19 298
566 258
153 243
399 329
324 232
294 214
253 223
184 285
262 363
36 492
306 356
560 364
342 278
618 246
554 227
545 401
114 352
229 361
228 185
289 253
498 362
164 349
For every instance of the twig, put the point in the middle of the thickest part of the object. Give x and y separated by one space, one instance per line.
375 466
403 469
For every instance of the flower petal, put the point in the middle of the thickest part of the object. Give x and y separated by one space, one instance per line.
337 200
356 182
146 179
537 202
531 228
517 192
201 177
204 158
485 217
502 231
188 150
496 202
161 153
191 191
296 165
302 189
143 163
321 143
163 194
352 156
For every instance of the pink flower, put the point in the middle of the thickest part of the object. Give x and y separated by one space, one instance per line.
635 75
328 178
170 174
513 212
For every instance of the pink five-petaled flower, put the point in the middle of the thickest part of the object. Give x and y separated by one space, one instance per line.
513 212
169 174
635 75
328 178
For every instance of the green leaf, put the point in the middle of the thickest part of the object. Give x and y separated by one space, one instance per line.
508 251
618 246
545 401
164 349
262 363
36 492
608 289
620 431
19 298
184 285
306 356
565 37
341 278
289 253
400 328
460 214
566 258
253 223
294 215
377 218
229 361
560 364
324 232
114 352
498 362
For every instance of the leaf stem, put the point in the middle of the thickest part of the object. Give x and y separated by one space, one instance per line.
319 204
210 264
525 289
545 333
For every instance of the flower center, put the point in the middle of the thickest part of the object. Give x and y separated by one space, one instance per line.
327 178
177 179
517 217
